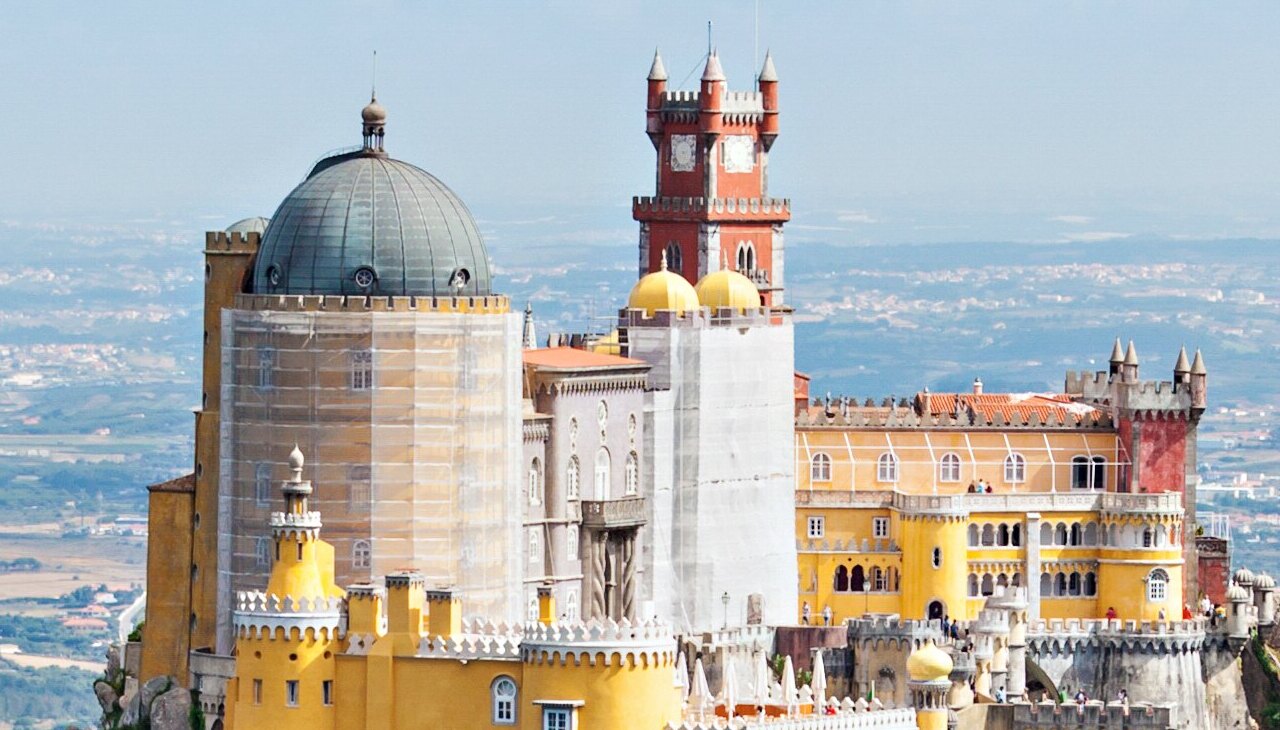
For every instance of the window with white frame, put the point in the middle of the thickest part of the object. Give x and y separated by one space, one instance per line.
887 468
571 606
817 527
1157 585
531 613
746 257
359 487
266 367
257 691
1015 469
291 692
633 474
262 484
602 474
674 259
535 547
571 542
326 692
557 718
504 693
361 554
361 370
879 526
535 481
949 468
820 468
572 478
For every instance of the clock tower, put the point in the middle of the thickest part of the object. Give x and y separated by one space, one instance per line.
712 206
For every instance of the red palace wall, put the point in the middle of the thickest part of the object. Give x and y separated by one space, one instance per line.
1161 455
1214 567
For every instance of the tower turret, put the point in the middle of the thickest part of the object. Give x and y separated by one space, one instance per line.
767 84
928 678
712 96
1238 611
657 87
1182 369
1131 364
1116 359
1199 377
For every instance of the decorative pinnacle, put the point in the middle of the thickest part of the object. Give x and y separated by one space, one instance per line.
768 72
1181 365
1197 366
1117 353
296 461
664 260
1131 355
713 71
657 72
724 259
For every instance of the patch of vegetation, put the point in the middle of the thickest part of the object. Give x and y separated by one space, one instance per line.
32 696
47 636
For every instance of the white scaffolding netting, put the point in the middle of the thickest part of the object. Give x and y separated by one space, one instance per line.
410 422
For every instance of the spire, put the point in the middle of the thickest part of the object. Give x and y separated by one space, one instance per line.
657 72
1117 353
1197 367
529 340
768 72
664 260
1131 355
713 72
1181 365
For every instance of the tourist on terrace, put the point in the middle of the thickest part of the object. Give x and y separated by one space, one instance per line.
804 613
1111 613
826 616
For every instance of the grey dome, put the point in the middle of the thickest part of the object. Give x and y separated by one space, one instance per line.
256 224
362 223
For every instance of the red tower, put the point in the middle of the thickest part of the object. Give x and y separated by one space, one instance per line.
712 203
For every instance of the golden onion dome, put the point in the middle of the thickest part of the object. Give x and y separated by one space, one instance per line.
929 663
727 288
607 345
663 290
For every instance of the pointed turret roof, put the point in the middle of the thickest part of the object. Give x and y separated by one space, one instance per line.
713 72
1131 355
528 336
657 72
1197 367
1117 353
768 72
1182 366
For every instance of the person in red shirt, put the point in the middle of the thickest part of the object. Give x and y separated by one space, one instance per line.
1186 612
1111 613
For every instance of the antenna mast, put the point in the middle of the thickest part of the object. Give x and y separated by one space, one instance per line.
373 86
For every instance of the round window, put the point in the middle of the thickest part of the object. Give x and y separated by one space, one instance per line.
364 277
273 275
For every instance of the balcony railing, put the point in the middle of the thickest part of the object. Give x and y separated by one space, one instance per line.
613 514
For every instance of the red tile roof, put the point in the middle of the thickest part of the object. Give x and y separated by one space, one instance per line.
1011 406
573 358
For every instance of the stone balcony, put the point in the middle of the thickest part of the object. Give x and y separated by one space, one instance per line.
613 514
1169 503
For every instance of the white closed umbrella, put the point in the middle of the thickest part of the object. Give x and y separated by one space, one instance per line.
788 683
761 680
700 694
729 687
819 682
682 677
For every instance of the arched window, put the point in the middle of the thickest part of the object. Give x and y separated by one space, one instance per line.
1098 474
842 579
1002 581
262 552
887 468
1073 584
1016 537
504 693
675 261
602 474
535 481
988 535
1046 585
1157 585
571 605
973 535
1002 535
973 585
879 581
1162 536
535 547
1079 472
361 370
1091 583
531 611
572 478
1091 534
857 579
1017 580
361 554
746 257
937 557
1015 469
1147 537
262 484
1060 584
1074 538
949 468
1060 534
571 542
1046 533
359 488
988 586
632 476
820 468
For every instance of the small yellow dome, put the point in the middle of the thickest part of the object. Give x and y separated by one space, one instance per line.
663 290
929 663
727 288
607 345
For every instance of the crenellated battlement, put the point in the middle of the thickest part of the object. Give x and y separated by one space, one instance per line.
846 413
596 641
878 546
714 209
1146 637
703 317
1093 714
219 242
849 716
260 615
347 304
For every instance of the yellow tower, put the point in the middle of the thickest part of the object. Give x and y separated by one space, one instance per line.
935 551
928 678
1140 573
287 636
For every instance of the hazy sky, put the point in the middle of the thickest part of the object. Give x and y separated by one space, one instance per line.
901 121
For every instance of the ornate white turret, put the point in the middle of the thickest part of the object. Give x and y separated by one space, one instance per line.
1238 613
1264 588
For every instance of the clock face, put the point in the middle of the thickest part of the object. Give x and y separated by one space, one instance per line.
739 153
684 152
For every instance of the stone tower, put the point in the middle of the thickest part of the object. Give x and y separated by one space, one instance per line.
712 207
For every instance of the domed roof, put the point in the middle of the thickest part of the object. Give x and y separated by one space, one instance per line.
365 224
663 290
256 224
1237 593
727 288
1244 576
929 663
373 111
1263 580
